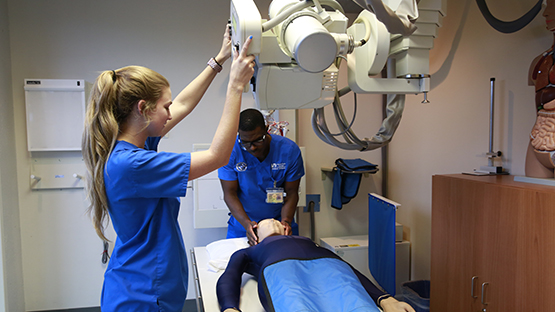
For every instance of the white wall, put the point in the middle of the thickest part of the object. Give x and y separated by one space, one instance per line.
60 254
58 39
11 280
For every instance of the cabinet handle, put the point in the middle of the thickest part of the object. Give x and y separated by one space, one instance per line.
484 293
472 287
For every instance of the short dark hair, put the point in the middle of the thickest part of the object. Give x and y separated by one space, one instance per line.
250 119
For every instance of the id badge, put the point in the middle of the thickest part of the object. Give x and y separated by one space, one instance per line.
275 195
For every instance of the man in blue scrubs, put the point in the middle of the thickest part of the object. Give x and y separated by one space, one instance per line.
262 178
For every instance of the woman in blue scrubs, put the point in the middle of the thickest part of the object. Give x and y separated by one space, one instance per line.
138 188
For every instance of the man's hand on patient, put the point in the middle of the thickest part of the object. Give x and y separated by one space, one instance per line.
231 310
287 227
253 239
392 305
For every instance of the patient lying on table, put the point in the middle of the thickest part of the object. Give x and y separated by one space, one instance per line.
294 274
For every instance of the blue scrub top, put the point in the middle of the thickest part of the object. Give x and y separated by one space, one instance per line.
148 267
283 163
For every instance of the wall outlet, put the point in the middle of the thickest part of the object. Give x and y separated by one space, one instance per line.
312 198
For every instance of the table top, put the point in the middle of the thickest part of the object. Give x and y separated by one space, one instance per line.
508 180
208 279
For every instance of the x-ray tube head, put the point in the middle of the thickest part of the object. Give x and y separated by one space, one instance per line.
310 44
302 44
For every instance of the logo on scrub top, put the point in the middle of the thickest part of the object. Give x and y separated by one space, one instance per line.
242 166
280 166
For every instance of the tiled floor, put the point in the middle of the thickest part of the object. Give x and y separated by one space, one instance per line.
190 306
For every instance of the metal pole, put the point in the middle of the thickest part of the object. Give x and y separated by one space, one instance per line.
492 93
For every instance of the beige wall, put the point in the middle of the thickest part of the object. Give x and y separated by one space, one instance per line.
449 135
76 39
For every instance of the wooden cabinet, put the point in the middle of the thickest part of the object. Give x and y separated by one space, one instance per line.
496 238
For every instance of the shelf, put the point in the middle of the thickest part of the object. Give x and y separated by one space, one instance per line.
330 170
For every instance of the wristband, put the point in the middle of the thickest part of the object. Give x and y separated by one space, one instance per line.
215 65
382 297
217 62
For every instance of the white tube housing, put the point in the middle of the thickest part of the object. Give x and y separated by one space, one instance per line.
310 43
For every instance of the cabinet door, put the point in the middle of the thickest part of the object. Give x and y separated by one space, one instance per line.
454 203
496 245
502 232
535 277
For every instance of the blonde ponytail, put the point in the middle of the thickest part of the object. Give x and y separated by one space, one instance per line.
112 101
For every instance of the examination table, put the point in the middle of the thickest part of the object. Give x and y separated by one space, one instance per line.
205 286
206 277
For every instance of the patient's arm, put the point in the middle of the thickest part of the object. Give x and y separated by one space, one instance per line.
370 288
228 288
388 304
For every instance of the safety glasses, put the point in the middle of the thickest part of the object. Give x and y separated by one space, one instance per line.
248 144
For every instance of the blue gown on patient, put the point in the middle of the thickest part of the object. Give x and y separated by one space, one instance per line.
319 285
148 267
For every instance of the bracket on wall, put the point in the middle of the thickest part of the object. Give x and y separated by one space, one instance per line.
314 198
329 171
